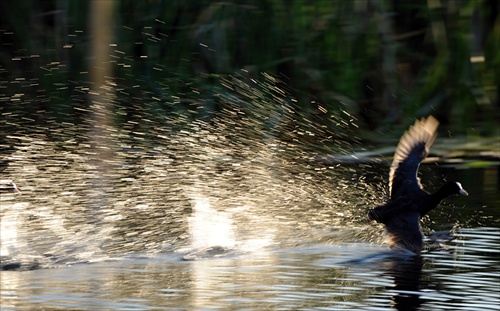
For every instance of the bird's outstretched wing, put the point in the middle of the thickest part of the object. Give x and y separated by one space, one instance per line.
413 147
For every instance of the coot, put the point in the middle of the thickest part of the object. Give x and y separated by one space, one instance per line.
408 201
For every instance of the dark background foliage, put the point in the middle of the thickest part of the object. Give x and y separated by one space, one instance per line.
384 62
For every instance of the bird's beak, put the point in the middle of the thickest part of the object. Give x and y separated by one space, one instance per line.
461 190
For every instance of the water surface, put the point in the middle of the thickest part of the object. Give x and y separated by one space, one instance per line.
197 225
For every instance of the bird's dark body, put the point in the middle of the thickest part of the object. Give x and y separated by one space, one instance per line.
401 221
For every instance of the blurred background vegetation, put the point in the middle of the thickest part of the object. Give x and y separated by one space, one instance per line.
383 62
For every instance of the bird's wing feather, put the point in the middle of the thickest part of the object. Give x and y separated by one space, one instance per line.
413 147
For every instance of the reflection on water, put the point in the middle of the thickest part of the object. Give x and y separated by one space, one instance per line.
249 231
305 277
224 216
274 236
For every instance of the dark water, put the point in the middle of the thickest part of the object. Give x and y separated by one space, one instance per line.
206 222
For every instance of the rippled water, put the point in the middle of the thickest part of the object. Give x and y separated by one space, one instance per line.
217 229
230 215
462 277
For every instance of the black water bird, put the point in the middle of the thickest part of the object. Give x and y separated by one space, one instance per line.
408 201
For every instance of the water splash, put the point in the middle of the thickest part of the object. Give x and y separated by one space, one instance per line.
50 243
209 227
9 227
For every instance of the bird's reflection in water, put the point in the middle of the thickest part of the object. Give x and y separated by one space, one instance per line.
407 282
403 267
407 273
